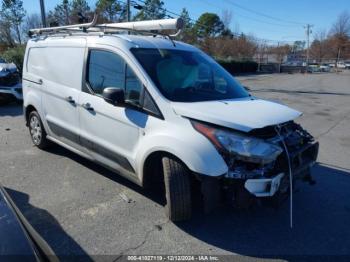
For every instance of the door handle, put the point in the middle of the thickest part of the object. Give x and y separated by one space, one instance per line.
88 107
70 99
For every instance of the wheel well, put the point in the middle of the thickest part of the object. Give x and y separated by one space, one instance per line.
153 172
28 110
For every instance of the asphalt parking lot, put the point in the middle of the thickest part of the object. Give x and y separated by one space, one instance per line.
83 209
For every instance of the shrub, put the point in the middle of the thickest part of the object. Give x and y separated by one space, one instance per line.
15 55
237 67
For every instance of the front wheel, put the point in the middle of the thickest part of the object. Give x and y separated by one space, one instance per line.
37 131
177 189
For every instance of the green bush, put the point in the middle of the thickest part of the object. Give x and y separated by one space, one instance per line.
236 67
15 55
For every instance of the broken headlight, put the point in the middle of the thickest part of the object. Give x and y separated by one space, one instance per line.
243 147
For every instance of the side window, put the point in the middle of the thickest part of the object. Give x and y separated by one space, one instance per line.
133 87
105 69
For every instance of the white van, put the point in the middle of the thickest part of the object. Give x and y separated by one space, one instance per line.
163 114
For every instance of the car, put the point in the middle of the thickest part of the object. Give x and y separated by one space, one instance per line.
347 65
325 68
161 113
341 65
10 85
313 68
18 239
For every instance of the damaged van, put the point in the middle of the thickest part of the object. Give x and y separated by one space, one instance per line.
161 113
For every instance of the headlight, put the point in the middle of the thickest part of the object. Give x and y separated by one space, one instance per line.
245 148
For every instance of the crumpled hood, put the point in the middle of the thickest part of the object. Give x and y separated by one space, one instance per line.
240 114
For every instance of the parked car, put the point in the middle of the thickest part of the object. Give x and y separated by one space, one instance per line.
339 65
313 68
325 68
163 114
18 239
347 65
10 85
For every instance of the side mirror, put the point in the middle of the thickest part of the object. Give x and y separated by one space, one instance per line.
114 96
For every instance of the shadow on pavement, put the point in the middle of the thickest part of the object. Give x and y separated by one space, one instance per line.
321 219
321 223
48 227
13 109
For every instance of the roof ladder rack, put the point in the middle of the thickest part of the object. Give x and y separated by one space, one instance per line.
39 31
145 27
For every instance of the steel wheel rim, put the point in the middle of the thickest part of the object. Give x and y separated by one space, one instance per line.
35 129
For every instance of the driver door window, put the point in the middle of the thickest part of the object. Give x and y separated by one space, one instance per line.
105 69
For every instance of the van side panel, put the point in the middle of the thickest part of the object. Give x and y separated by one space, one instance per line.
60 65
57 64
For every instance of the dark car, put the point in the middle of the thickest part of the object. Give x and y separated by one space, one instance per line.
18 239
10 82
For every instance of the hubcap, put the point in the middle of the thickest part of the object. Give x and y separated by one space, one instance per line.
35 130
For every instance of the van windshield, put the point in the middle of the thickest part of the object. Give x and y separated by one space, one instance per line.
187 76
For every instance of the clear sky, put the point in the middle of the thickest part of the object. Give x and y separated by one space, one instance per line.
269 19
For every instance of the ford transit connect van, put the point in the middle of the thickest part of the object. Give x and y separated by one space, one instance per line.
163 114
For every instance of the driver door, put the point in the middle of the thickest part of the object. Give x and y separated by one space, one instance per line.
110 133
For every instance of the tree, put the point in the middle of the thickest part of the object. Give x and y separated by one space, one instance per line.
226 19
61 15
16 56
112 10
319 46
152 9
209 25
340 34
187 34
299 46
5 33
280 51
80 8
31 21
13 13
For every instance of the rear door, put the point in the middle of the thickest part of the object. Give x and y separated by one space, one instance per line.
111 133
61 87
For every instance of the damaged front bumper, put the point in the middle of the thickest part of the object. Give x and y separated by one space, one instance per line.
264 187
245 181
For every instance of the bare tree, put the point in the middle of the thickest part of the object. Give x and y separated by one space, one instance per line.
318 49
340 34
6 33
280 51
226 18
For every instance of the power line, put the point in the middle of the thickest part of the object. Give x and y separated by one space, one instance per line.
262 14
247 17
233 34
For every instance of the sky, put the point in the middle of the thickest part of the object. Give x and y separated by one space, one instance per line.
274 20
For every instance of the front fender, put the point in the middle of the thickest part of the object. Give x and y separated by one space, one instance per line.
198 154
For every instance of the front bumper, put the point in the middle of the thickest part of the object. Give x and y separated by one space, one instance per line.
264 187
276 182
15 91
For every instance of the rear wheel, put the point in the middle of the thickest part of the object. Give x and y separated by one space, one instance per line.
37 131
177 189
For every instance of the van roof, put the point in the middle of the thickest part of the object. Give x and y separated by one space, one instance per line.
122 41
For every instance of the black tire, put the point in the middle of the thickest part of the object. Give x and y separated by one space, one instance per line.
37 131
177 190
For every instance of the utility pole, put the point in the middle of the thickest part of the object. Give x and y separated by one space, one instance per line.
308 32
128 10
43 16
